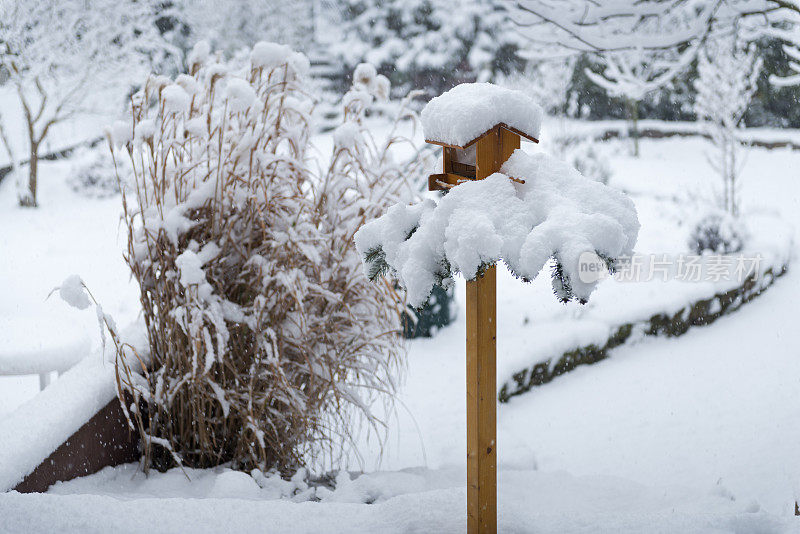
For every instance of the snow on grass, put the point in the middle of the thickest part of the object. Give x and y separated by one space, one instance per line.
73 292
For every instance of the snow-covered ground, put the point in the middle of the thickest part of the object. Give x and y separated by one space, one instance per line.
694 434
405 502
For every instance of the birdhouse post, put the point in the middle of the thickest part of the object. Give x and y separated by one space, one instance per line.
558 215
477 160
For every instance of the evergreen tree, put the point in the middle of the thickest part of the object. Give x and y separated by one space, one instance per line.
430 44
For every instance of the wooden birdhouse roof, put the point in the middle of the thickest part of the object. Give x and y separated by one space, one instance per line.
467 112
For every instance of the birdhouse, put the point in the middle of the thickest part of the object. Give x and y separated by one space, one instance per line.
477 158
478 126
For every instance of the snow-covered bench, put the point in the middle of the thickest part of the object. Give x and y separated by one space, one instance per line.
33 348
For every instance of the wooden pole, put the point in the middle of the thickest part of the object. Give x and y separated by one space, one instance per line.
492 151
481 408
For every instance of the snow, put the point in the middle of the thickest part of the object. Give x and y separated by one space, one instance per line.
272 55
121 132
414 500
176 99
73 292
233 485
347 135
239 94
144 131
468 110
555 213
39 248
616 302
662 412
188 84
35 429
24 350
199 53
269 55
190 268
364 73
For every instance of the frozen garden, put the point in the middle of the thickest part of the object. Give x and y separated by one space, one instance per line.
404 266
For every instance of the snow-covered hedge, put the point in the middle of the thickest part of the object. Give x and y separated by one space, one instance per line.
556 213
625 310
268 343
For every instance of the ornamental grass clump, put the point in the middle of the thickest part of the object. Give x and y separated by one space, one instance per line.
269 345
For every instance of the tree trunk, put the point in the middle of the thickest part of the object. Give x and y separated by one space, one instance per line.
633 114
28 199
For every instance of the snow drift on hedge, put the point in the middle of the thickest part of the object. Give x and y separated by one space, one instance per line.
556 213
466 111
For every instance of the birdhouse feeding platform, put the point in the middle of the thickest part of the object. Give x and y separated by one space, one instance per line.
460 163
479 126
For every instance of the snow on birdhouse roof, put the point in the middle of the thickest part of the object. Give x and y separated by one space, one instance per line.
464 113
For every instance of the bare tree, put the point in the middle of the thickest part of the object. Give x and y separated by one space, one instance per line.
64 58
633 74
727 74
677 26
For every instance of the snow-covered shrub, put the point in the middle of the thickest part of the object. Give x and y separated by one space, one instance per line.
438 312
269 345
718 233
93 175
587 159
582 153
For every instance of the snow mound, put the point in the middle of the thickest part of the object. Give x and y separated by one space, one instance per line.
73 292
176 99
235 484
466 111
556 213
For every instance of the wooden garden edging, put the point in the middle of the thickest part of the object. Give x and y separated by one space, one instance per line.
696 314
105 440
72 428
